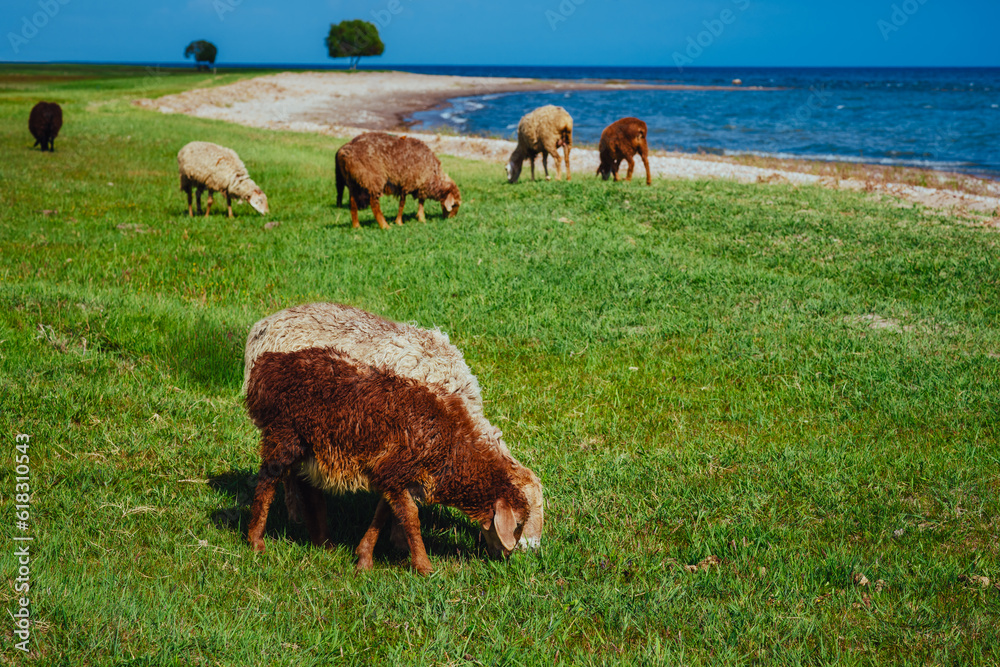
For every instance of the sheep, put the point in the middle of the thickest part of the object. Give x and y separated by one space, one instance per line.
424 355
620 141
352 426
208 166
543 131
376 163
44 123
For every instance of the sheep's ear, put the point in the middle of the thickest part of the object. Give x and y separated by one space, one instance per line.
505 523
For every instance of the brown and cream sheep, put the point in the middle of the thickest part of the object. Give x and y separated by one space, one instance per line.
44 123
423 355
207 166
376 163
543 131
620 141
352 426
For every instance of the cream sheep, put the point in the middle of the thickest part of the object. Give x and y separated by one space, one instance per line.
543 131
424 355
207 166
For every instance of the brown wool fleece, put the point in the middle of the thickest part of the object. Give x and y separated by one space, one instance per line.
620 141
376 163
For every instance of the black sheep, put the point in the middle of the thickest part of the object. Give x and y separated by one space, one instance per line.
44 123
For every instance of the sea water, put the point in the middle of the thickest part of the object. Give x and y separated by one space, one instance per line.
939 118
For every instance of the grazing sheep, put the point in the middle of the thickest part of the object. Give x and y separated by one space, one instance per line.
376 163
215 168
543 131
352 426
44 123
620 141
423 355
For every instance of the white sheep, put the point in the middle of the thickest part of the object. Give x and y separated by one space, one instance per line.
543 131
425 355
208 166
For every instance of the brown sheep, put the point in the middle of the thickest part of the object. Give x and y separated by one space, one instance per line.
351 426
44 123
376 163
543 131
620 141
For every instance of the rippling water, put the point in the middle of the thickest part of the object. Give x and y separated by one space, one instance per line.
941 118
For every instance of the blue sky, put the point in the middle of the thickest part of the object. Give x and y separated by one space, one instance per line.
516 32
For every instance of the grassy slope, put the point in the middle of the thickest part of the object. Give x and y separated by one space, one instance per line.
682 365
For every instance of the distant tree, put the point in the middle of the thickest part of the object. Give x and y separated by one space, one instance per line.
203 52
354 39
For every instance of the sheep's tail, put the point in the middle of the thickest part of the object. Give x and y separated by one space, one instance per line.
566 136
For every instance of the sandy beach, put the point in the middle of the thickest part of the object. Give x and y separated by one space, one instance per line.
345 104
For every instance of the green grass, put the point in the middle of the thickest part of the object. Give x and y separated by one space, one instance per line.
685 366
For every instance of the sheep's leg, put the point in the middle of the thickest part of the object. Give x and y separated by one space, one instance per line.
532 158
208 203
420 211
405 510
190 212
315 511
354 213
367 545
545 165
277 456
645 162
229 204
198 194
566 148
618 164
402 202
631 168
377 210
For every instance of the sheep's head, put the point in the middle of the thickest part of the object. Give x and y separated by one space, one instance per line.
503 529
508 529
452 200
604 171
259 201
513 168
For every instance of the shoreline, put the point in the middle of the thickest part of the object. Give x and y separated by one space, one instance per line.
345 104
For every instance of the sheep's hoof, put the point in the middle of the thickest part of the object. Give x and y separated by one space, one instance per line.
363 565
258 546
423 569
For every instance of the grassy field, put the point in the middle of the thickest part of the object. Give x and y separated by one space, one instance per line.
796 388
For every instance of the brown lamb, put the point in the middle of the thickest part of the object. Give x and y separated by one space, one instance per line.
620 141
44 123
376 163
351 426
